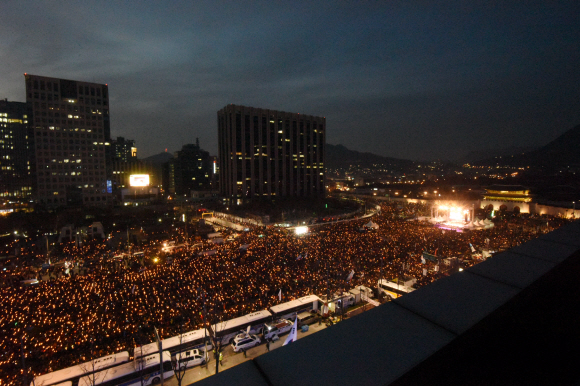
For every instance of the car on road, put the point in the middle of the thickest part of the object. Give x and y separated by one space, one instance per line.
190 358
245 341
275 329
306 318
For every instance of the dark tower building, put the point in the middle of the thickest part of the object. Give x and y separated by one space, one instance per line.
268 153
71 135
123 149
16 150
191 168
124 162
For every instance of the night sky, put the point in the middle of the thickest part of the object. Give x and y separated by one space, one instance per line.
408 79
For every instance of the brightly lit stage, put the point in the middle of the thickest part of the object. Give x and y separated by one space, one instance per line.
457 217
450 225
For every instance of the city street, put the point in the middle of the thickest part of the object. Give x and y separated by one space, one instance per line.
232 359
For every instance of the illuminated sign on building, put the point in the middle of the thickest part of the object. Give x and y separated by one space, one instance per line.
139 180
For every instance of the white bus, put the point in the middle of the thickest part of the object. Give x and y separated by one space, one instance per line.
73 373
289 309
228 330
186 341
394 289
146 369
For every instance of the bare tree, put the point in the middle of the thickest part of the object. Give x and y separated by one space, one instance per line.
93 365
143 335
217 341
90 367
179 362
218 325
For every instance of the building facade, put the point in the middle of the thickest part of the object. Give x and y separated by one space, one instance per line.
124 163
16 150
71 135
123 169
191 168
269 153
123 149
507 197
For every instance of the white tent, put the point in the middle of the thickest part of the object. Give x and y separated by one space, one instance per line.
372 225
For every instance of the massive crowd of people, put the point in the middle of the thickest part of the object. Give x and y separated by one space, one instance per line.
112 307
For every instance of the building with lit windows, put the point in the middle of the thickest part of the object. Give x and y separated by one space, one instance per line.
71 133
16 163
123 149
123 163
121 170
190 169
269 153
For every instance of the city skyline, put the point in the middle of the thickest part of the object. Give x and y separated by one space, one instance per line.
406 80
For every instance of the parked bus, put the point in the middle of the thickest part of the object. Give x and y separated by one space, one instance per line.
228 330
143 371
189 340
393 289
74 373
289 309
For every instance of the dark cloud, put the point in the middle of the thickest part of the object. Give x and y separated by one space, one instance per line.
408 79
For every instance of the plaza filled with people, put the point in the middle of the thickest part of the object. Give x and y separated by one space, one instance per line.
91 310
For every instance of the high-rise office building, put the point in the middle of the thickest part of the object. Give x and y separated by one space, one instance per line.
190 169
268 153
71 132
16 150
123 149
123 163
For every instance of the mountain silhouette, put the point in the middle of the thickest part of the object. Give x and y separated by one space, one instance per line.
158 159
338 156
562 152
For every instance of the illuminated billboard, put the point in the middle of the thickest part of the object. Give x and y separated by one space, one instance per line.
139 180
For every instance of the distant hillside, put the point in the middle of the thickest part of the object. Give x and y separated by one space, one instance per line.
338 156
561 152
486 154
158 159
